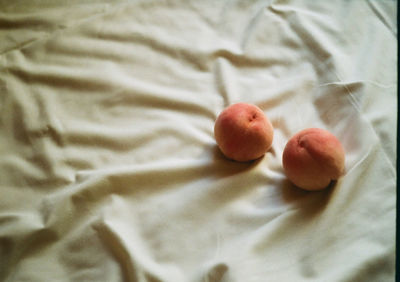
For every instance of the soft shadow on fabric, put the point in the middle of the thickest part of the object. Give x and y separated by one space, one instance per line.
216 273
309 202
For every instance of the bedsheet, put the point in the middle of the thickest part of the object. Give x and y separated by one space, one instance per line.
109 170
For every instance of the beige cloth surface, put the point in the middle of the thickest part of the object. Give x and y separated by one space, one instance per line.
109 169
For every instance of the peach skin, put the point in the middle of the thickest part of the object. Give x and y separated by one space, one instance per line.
243 132
313 158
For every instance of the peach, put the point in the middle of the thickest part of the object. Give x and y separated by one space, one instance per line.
313 158
243 132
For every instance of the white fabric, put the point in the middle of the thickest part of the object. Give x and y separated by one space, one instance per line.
109 170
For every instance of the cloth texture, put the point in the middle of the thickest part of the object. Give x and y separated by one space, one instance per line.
109 169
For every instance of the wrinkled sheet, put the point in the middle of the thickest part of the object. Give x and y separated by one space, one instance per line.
109 170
